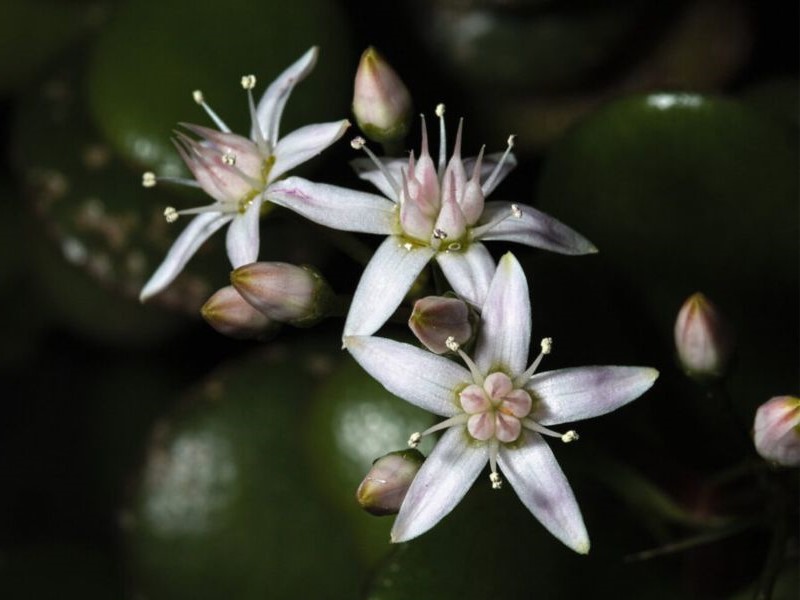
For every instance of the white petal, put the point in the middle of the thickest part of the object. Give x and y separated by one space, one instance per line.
533 472
366 170
584 392
534 228
243 236
505 331
415 375
305 143
270 107
469 273
441 483
488 165
383 285
334 206
183 248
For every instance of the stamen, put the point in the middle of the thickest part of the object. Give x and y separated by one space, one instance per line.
439 234
413 441
479 232
516 212
248 82
359 143
459 419
229 158
198 97
488 185
567 437
546 345
496 480
442 140
477 376
148 179
494 476
451 344
170 214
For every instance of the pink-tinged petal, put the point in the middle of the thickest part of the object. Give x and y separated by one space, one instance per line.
533 228
517 403
270 107
481 426
469 272
505 330
497 385
243 238
385 282
183 248
305 143
441 483
473 400
533 472
333 206
366 170
507 429
488 165
419 377
575 394
451 220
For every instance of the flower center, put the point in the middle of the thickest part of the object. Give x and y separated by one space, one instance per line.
495 408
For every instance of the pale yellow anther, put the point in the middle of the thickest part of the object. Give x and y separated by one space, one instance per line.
148 179
516 212
570 436
170 214
440 110
197 95
547 345
439 234
511 139
248 82
229 158
451 344
408 246
497 482
413 441
357 143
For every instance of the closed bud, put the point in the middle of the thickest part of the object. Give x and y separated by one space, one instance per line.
702 338
381 102
231 315
284 292
437 318
776 431
385 486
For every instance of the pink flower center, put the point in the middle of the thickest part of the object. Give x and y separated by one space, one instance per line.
495 409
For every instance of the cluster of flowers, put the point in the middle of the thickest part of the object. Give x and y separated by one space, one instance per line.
497 408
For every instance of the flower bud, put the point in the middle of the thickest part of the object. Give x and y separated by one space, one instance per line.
702 338
385 486
283 292
436 318
231 315
381 102
776 431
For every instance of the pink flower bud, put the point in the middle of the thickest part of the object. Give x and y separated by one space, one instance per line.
231 315
702 338
385 486
437 318
282 291
381 102
776 431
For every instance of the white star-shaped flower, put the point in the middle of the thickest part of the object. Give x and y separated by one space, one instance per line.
496 411
429 211
235 171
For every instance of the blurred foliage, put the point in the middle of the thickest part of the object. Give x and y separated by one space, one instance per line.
667 133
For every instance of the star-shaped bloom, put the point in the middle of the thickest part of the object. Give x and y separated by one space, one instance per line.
235 171
429 211
496 411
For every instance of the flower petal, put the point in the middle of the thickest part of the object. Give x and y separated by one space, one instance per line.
535 475
580 393
305 143
366 170
469 273
534 228
488 165
415 375
386 280
441 483
243 238
183 248
333 206
505 330
270 107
